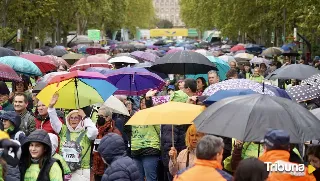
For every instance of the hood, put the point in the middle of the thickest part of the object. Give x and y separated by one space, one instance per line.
54 142
13 117
111 147
179 96
80 126
38 135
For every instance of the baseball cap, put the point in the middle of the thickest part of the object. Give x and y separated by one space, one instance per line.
276 138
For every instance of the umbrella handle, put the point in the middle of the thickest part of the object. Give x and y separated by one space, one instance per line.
172 136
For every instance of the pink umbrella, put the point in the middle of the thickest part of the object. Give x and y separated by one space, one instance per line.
43 63
57 60
8 74
174 50
237 48
91 61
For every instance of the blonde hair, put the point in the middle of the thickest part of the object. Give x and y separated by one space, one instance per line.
191 130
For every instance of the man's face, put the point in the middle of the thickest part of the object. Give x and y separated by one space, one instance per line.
19 103
3 98
232 65
213 79
42 109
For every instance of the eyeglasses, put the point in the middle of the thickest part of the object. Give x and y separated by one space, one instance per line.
75 118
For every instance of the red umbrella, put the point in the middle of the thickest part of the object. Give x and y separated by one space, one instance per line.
94 50
44 63
58 60
91 61
237 48
8 74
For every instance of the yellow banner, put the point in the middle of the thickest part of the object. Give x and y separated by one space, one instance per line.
168 32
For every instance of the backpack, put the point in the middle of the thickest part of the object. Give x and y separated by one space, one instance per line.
71 152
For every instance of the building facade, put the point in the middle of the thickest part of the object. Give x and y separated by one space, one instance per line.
169 10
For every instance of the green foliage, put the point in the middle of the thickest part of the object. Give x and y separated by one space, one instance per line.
164 24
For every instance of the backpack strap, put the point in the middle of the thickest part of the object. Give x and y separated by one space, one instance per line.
81 135
17 135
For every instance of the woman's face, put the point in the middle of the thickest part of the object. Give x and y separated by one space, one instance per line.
6 124
20 87
199 84
246 68
181 85
36 150
74 120
143 104
129 106
42 109
263 67
314 161
194 138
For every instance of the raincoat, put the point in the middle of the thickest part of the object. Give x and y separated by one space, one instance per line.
185 159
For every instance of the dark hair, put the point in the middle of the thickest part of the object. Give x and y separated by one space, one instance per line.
203 82
4 88
25 97
63 66
251 169
232 73
43 158
314 150
191 84
25 80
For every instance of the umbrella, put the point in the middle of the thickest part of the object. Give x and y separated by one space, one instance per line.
252 116
145 56
313 80
222 94
37 52
147 66
90 61
236 84
140 47
115 105
126 46
204 52
302 93
174 50
293 71
79 39
95 50
259 60
316 112
123 59
43 81
134 81
6 52
237 48
8 74
101 70
176 113
272 51
56 52
160 43
227 58
277 91
243 57
72 56
183 62
58 60
77 89
43 63
222 66
21 65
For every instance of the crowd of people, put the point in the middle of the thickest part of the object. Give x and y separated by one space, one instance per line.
94 143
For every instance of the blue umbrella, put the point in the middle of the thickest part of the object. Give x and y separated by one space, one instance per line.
21 65
277 91
222 94
288 47
134 81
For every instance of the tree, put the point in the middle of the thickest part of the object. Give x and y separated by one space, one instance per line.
164 24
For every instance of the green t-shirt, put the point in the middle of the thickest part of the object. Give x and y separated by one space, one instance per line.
66 169
85 143
33 171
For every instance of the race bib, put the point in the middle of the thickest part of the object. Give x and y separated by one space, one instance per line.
70 155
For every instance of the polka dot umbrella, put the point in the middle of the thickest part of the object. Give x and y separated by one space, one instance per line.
302 93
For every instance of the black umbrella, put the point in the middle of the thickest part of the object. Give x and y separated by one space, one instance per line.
293 71
147 66
160 43
302 93
6 52
316 112
184 62
126 46
56 52
248 118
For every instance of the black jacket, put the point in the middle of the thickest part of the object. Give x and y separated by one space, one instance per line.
25 161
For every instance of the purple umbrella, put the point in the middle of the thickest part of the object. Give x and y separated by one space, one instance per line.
145 56
134 81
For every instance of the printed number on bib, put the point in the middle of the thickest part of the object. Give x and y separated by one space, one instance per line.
70 155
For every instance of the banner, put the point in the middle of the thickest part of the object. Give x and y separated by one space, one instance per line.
168 32
94 35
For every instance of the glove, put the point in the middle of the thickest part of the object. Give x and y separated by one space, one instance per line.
10 151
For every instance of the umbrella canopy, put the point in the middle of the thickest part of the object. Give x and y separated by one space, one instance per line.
227 58
204 52
259 60
6 52
302 93
236 84
72 56
222 66
134 81
277 91
237 48
160 43
115 105
43 81
101 70
176 113
56 52
313 80
90 61
272 51
43 63
243 57
252 116
123 59
77 89
8 74
21 65
79 39
183 62
316 112
222 94
293 71
95 50
126 46
37 52
58 60
145 56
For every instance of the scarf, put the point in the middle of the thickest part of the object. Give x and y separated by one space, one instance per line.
80 126
10 129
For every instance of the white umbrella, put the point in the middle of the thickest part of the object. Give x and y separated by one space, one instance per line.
204 52
272 51
243 56
259 60
227 58
115 105
123 59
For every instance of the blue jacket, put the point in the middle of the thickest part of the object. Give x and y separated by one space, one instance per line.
120 167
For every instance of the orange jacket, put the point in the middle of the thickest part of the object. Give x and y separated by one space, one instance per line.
282 156
204 170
